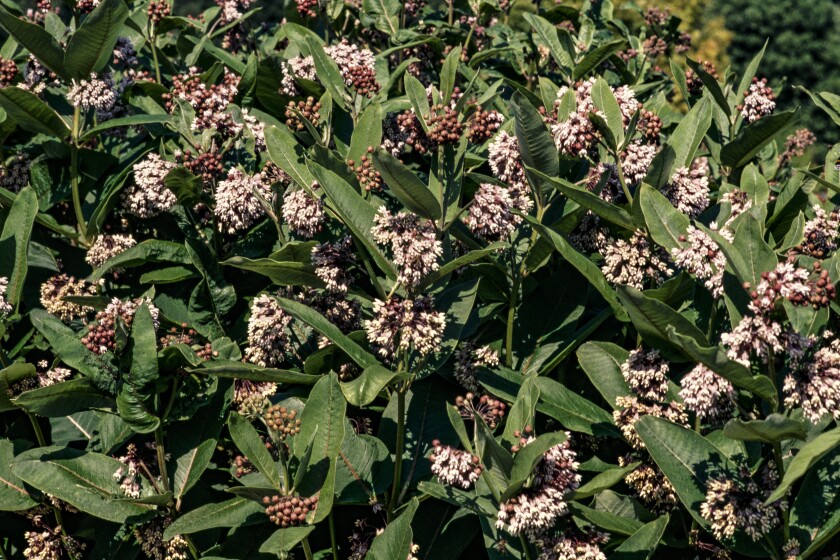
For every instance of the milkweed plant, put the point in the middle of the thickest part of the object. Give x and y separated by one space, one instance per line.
408 280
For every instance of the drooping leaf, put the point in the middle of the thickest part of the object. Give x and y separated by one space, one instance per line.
92 45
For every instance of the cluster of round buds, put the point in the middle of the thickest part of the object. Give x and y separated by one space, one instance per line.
453 466
307 8
630 409
524 435
283 422
101 335
654 46
491 410
759 101
242 466
8 71
411 132
61 286
205 164
159 9
15 174
444 126
649 125
792 283
820 234
795 145
362 78
575 136
86 6
188 337
646 373
482 125
369 178
289 511
307 110
108 246
251 397
693 83
656 17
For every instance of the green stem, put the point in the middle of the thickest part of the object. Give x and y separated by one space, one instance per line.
42 442
332 536
307 551
161 457
153 44
525 547
621 178
780 468
514 296
4 359
74 174
400 449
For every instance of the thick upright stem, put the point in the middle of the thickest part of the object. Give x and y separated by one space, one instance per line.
74 173
400 449
307 550
514 298
333 542
161 457
153 44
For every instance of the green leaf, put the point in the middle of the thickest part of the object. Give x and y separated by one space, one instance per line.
527 457
642 544
193 442
419 100
406 186
186 186
495 459
92 45
602 363
665 223
13 496
449 72
327 72
34 39
282 273
135 411
585 266
809 455
322 423
604 100
521 414
460 262
715 358
594 58
385 13
285 151
143 348
366 134
603 481
284 540
590 200
652 319
774 428
251 372
753 137
149 251
14 243
573 411
689 134
82 479
396 540
63 399
364 389
248 441
356 213
237 512
321 324
562 48
31 113
535 143
749 72
9 376
815 515
712 86
828 102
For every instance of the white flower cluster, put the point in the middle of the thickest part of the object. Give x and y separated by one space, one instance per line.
56 288
636 160
634 262
454 467
108 246
129 475
491 215
573 544
630 409
536 509
651 485
150 538
814 379
349 56
332 262
688 190
732 505
759 101
267 336
403 324
303 212
707 394
821 233
646 373
505 160
468 358
702 257
300 66
238 206
95 92
414 245
5 306
149 197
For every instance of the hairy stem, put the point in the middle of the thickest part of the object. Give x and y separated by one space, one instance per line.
307 550
333 543
74 174
514 296
161 457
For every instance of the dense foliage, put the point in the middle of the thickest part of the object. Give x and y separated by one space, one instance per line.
399 280
803 51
